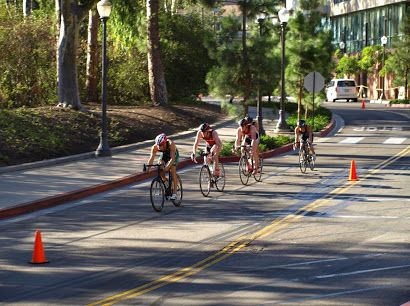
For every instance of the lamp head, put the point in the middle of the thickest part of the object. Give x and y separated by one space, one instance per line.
283 15
342 45
384 40
104 8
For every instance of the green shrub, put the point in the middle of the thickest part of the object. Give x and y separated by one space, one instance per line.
27 61
399 101
322 119
267 143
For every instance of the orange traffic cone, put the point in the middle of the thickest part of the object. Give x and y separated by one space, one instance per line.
38 253
352 176
363 107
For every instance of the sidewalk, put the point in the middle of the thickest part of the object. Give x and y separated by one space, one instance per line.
29 187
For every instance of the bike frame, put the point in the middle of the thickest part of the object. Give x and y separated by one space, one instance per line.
167 189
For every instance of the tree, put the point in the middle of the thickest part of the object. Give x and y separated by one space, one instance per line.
91 92
158 86
398 61
72 13
309 49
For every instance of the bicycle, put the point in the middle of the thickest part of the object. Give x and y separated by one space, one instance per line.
305 156
246 163
207 179
161 190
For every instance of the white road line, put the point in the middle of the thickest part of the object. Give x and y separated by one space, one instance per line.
351 140
395 140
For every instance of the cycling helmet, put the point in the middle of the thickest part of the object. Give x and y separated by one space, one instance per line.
249 119
161 139
204 126
242 122
301 123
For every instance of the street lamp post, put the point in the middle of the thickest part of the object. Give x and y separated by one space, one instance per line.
259 116
384 42
282 125
103 150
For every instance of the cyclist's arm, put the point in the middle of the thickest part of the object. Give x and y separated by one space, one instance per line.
238 137
218 142
154 151
196 143
172 150
310 134
296 134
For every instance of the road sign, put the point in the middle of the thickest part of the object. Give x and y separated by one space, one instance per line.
314 82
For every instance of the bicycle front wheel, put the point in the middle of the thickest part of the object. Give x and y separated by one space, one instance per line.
205 180
178 200
258 176
311 162
220 180
302 161
157 193
243 169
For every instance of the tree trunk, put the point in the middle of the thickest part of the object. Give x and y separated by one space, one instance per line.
58 23
157 84
71 17
247 76
91 82
26 8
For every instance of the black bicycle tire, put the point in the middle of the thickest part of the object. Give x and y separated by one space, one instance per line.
258 176
180 192
243 170
302 163
205 171
311 163
220 178
158 186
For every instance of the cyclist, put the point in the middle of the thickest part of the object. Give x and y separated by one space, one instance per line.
213 144
169 159
307 134
251 137
255 123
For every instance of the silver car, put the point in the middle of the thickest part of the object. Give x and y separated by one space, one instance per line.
338 89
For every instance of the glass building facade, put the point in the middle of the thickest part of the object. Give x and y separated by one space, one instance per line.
366 28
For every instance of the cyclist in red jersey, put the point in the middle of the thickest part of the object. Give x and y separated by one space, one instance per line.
213 144
251 137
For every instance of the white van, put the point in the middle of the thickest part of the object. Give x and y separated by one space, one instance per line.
342 89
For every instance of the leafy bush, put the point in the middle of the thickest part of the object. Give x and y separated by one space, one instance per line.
267 143
399 101
322 119
27 60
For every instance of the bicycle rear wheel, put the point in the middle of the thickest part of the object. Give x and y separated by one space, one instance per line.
178 200
243 169
205 180
220 180
157 194
302 161
258 176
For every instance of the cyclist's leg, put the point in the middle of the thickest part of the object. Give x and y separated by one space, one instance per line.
162 172
255 153
216 160
173 171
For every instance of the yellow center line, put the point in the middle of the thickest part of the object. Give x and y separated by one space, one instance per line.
243 241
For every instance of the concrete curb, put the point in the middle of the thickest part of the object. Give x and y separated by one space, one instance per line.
32 206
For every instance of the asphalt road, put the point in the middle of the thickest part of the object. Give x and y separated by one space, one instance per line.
300 239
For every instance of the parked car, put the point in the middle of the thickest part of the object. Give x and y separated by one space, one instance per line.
338 89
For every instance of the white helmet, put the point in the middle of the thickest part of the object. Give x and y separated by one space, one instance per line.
161 139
